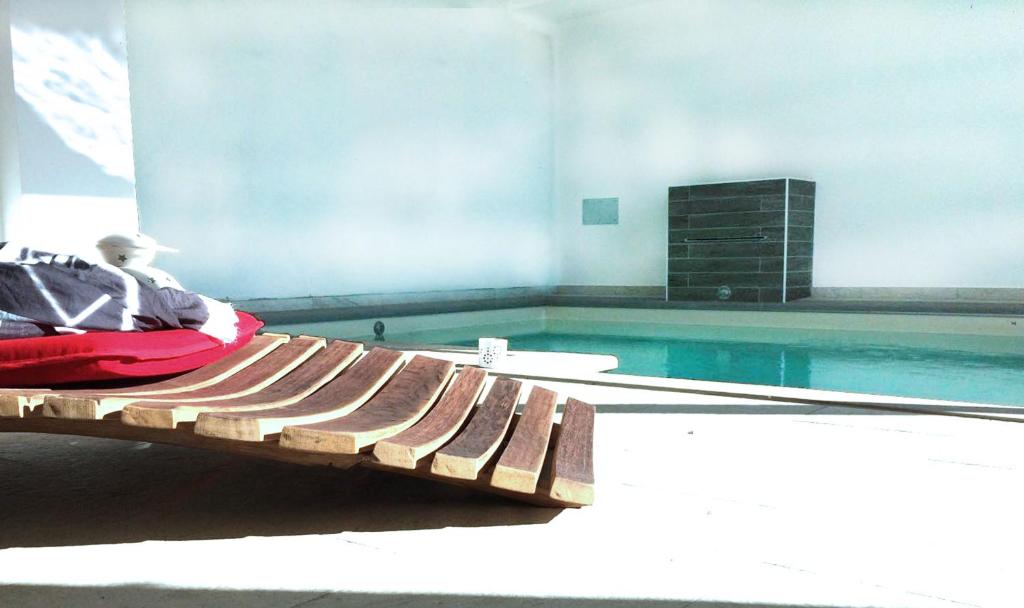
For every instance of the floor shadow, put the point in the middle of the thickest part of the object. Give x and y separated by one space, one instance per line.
68 490
131 596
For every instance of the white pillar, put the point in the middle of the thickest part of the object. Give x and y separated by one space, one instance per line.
10 166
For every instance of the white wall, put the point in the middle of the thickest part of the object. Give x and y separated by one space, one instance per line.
908 116
10 172
72 126
73 114
328 149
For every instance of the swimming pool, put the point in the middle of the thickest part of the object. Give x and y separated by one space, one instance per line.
960 358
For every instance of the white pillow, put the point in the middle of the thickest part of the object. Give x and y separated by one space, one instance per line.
153 277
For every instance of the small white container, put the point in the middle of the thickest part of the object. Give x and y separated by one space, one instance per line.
492 351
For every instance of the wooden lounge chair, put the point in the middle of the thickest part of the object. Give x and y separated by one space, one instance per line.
311 401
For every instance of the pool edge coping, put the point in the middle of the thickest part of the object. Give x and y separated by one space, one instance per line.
787 395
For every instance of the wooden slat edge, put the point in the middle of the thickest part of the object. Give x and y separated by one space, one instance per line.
519 467
448 464
350 442
402 451
18 405
540 498
226 425
101 405
253 357
573 465
169 415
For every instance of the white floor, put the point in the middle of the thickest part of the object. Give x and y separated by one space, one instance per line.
764 505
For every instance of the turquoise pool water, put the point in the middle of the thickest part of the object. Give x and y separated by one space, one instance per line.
954 358
846 361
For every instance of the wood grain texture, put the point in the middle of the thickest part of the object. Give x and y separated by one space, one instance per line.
573 468
406 448
473 447
541 497
245 381
519 467
338 398
313 373
398 406
16 402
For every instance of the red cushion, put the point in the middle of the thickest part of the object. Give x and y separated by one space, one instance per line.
109 355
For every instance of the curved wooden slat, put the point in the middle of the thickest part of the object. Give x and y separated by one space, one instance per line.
437 427
210 374
573 468
520 464
315 372
18 402
338 398
473 447
398 406
246 381
207 375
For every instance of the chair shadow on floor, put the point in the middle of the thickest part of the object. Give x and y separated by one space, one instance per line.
27 596
68 490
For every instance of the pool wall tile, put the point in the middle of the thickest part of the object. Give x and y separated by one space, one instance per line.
740 235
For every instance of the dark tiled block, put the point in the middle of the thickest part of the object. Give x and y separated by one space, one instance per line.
801 218
798 250
801 203
715 205
736 279
740 294
678 222
678 251
796 264
801 187
796 233
735 250
801 234
798 279
725 211
678 193
768 186
678 236
678 279
797 293
716 265
796 202
770 264
744 218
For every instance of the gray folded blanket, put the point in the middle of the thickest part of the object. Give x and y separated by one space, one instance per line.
66 294
13 326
